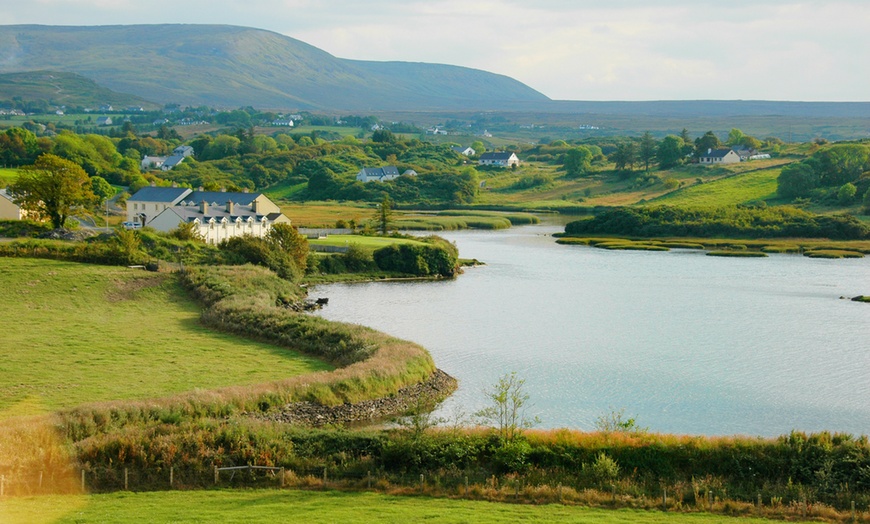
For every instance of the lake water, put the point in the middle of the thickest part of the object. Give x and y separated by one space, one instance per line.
686 342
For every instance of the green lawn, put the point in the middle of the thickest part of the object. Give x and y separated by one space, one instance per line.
364 241
76 333
7 176
756 185
268 506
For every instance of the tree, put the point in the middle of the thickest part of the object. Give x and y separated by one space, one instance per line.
647 150
706 142
841 163
507 410
625 156
578 161
287 238
735 137
670 151
385 214
52 187
846 193
796 180
478 147
101 189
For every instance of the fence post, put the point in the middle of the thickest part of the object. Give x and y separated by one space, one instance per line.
369 479
710 499
664 498
171 475
40 479
83 480
282 476
216 474
126 480
324 478
560 492
2 485
466 485
854 519
759 501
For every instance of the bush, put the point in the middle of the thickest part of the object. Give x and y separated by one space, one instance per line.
437 258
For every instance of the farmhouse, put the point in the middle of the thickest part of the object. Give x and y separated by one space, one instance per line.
378 174
501 159
9 210
467 151
104 121
719 156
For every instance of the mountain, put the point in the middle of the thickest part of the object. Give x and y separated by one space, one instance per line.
69 89
229 66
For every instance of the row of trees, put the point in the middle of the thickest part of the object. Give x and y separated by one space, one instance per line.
838 171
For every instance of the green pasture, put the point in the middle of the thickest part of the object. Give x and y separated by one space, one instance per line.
363 241
267 506
77 333
732 190
7 176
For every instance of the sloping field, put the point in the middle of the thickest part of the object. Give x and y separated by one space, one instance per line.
76 333
738 189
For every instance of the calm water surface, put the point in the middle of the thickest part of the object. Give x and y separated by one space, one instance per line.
688 343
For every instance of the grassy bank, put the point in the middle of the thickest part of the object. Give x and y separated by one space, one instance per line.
268 506
730 247
78 333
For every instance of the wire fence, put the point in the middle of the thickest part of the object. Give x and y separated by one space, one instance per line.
464 485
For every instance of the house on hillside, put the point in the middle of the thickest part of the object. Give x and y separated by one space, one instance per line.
218 214
499 158
152 162
9 210
463 150
377 174
104 121
216 223
719 156
184 151
744 152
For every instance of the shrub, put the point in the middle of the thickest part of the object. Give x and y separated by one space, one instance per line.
437 257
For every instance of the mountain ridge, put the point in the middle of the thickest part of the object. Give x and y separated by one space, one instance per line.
235 66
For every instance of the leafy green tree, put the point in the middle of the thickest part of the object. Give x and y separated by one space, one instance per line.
18 146
52 187
478 147
847 193
735 137
750 142
670 152
796 181
384 136
102 189
288 239
625 156
578 161
647 150
706 142
867 202
841 163
684 134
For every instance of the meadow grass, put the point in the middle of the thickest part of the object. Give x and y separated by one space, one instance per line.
78 333
266 506
326 214
7 176
732 190
364 241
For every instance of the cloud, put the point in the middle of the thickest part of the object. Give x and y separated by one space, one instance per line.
568 49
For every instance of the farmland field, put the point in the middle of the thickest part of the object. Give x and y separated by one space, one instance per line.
76 333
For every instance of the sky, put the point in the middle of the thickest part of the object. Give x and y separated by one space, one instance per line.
815 50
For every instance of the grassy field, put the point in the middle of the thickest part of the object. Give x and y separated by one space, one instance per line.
732 190
7 176
366 242
266 506
77 333
326 214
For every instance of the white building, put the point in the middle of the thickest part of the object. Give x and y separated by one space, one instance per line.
501 159
719 156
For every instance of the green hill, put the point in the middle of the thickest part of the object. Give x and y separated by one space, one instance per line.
237 66
69 89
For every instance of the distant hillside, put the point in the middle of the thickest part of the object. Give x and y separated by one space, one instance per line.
235 66
69 89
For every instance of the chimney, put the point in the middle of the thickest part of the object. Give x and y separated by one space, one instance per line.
203 207
200 189
230 207
245 190
709 150
174 184
223 190
255 205
153 184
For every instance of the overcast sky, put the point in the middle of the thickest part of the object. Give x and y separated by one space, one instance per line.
567 49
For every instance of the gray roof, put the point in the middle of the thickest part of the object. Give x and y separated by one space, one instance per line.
380 171
159 194
173 161
5 194
221 197
190 213
498 155
716 153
